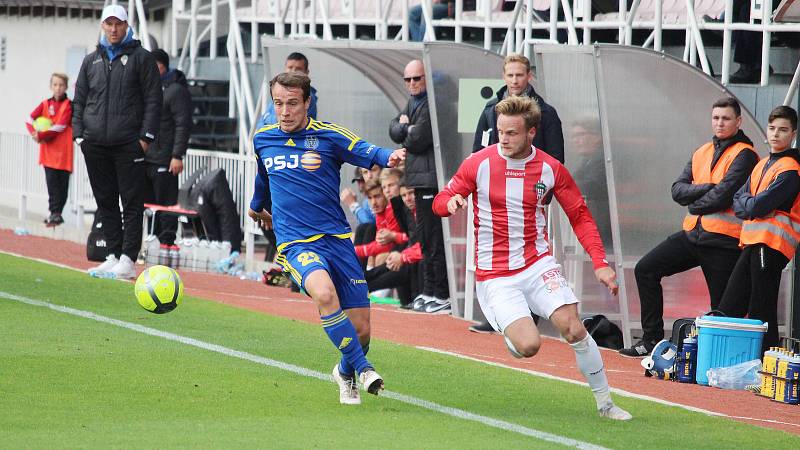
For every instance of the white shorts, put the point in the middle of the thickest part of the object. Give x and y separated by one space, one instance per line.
540 288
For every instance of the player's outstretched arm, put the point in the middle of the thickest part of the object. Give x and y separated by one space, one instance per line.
608 277
396 157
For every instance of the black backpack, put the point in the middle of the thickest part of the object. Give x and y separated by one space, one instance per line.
96 248
604 332
682 327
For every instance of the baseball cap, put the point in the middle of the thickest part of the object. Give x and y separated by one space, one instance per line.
114 11
357 175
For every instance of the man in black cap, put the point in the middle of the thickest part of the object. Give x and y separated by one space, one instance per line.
164 160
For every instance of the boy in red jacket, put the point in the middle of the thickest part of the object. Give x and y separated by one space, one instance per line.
54 136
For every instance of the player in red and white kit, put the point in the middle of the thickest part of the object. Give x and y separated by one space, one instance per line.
511 184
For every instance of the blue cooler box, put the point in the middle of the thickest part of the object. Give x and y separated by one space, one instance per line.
725 342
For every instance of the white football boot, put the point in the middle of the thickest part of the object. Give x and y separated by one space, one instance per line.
348 388
371 381
105 267
614 412
124 269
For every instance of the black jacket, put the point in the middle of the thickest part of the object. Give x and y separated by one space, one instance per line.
417 138
709 198
779 196
549 136
176 121
119 102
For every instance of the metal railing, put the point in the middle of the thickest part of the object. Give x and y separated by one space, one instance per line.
314 18
22 179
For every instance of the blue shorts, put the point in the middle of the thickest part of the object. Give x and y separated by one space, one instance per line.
337 256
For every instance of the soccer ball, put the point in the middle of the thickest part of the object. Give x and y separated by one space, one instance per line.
159 289
42 123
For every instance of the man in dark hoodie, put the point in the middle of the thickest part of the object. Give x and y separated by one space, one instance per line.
116 115
710 236
412 129
165 157
517 75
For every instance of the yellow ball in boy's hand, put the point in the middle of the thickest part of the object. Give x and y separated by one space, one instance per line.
42 124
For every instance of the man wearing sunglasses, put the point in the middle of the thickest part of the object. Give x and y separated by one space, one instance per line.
412 129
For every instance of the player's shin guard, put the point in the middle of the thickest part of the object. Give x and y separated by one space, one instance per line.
591 366
345 368
343 334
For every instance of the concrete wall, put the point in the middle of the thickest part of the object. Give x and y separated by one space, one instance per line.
37 47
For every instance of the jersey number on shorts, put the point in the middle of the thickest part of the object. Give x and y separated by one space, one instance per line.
307 258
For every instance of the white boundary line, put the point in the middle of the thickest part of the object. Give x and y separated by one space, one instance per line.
454 412
617 391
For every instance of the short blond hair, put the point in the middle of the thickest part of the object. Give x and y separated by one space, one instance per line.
60 75
517 58
521 106
389 172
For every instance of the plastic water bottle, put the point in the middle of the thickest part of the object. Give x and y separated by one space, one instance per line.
151 248
214 253
174 256
226 249
236 270
252 276
224 265
163 255
186 254
201 256
21 231
735 377
688 361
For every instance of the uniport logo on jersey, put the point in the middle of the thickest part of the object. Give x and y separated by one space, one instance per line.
311 160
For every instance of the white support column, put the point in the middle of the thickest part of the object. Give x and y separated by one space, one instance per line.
726 43
766 37
193 39
212 48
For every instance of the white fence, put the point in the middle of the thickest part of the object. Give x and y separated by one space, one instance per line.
23 187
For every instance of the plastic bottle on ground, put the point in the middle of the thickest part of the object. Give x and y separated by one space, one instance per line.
174 256
201 258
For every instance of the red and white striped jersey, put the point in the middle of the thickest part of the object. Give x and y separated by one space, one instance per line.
510 198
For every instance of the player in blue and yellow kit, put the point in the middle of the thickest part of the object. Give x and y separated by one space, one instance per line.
302 158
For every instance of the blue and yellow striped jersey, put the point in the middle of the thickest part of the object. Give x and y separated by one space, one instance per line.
304 176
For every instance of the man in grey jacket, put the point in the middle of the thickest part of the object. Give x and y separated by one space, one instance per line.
116 113
165 157
412 129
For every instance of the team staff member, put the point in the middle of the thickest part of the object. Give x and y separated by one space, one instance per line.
769 206
117 112
710 236
165 157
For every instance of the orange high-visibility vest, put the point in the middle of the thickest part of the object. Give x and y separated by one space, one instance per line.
57 153
722 222
779 230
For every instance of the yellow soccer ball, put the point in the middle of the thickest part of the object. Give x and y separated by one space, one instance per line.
42 123
159 289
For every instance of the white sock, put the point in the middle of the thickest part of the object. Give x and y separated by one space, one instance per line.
591 366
